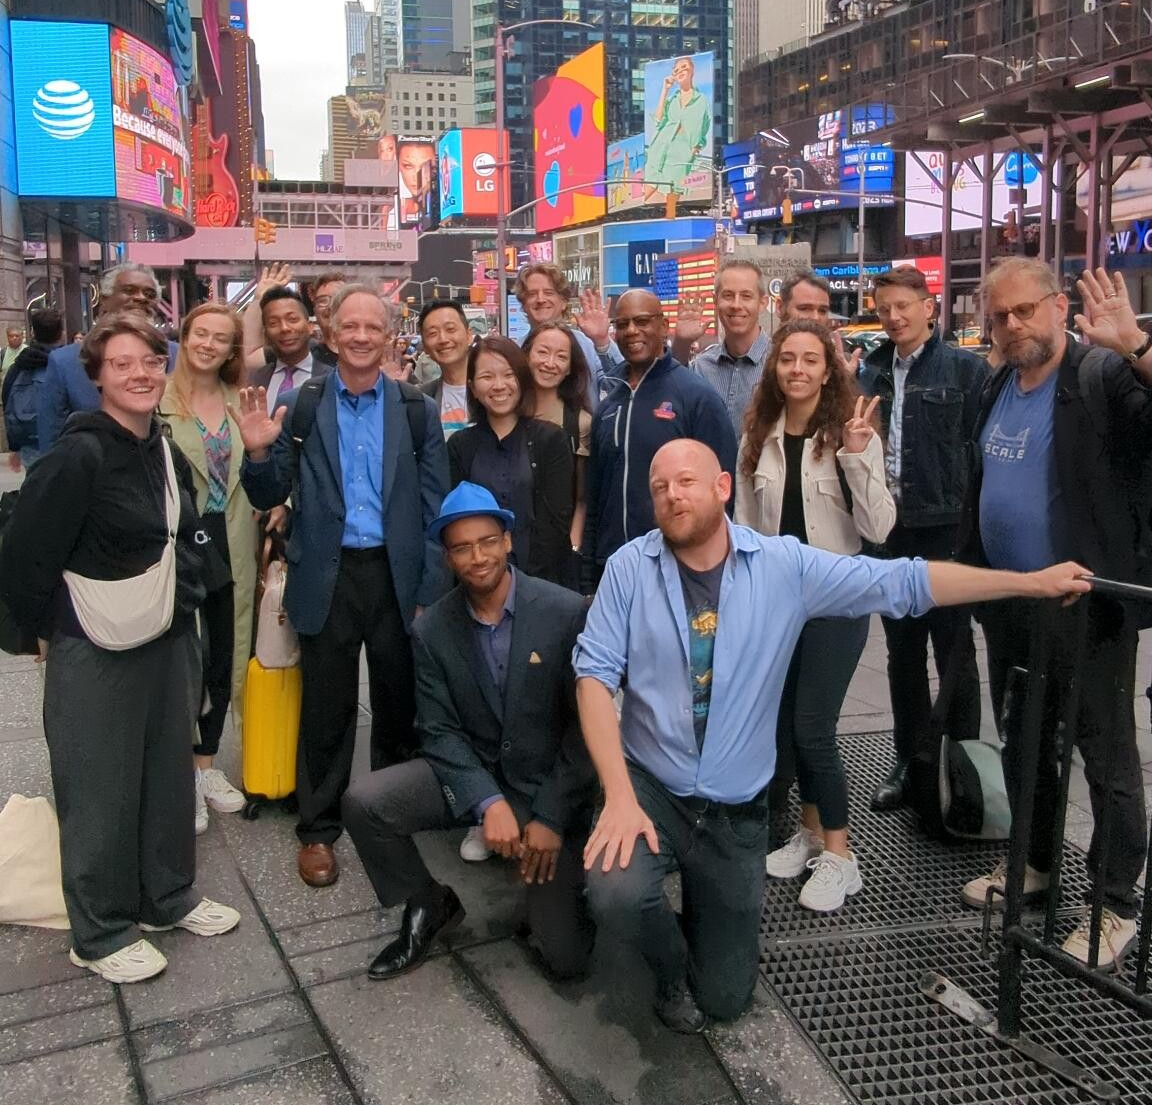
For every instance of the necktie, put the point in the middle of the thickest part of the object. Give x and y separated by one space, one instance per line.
286 383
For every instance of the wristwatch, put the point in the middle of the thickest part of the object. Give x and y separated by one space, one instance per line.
1136 354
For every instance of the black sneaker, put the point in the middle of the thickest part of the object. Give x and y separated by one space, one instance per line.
677 1008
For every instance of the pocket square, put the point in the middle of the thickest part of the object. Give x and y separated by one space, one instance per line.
535 658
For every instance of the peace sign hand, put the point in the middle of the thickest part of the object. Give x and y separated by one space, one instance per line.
257 430
858 430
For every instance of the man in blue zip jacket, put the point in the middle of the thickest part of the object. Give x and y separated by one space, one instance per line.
659 401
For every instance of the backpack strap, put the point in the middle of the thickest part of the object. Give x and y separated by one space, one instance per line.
304 413
417 412
845 490
571 426
1090 373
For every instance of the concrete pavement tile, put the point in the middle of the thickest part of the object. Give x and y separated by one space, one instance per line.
18 734
429 1036
344 961
228 1061
64 1030
98 1074
25 771
366 925
35 957
600 1038
771 1060
265 850
314 1082
78 992
218 1026
21 692
864 723
206 972
854 706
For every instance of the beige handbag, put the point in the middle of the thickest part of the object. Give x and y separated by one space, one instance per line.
30 881
277 645
119 614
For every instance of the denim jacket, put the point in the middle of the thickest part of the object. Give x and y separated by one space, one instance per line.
941 398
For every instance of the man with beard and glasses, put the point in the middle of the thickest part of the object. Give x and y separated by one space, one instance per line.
1063 437
499 743
697 621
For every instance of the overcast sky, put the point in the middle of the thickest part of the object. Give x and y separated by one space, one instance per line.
300 45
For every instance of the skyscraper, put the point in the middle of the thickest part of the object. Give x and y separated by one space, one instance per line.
634 31
356 30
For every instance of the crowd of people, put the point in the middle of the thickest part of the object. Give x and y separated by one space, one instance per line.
611 595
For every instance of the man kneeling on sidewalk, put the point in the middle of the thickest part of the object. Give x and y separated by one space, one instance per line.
500 742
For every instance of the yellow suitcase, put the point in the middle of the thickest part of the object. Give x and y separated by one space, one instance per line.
271 732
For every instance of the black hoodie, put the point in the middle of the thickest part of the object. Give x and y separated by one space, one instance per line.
94 504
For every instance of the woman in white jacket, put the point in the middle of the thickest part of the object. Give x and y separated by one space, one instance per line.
812 467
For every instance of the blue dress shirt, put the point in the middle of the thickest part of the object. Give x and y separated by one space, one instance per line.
771 586
360 429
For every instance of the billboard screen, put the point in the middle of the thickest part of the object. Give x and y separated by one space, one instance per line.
469 166
923 190
819 155
568 139
625 173
678 105
153 165
62 103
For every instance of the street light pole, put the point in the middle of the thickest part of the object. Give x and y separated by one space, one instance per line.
861 169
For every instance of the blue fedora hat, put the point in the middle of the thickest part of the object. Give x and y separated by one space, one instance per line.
466 500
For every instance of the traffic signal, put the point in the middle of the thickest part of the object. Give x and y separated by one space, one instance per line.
786 211
477 294
264 231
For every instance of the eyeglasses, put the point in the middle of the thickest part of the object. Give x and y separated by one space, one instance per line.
486 546
641 322
322 301
1023 311
124 365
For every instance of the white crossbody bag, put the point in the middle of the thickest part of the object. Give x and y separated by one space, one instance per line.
119 614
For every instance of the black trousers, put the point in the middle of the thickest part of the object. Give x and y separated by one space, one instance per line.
364 613
714 944
908 656
384 809
217 621
1103 733
119 727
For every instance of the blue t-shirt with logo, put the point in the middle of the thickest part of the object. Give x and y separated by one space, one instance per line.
1021 507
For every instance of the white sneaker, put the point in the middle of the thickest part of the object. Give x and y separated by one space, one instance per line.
791 860
209 918
833 879
201 808
1116 936
220 794
975 893
131 964
472 847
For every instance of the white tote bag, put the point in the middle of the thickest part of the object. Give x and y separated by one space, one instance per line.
119 614
30 883
277 645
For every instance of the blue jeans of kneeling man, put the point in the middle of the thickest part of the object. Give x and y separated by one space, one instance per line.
714 943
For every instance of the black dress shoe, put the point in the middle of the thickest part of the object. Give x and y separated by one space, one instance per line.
889 795
677 1008
421 925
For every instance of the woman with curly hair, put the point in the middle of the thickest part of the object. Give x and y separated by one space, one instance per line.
812 468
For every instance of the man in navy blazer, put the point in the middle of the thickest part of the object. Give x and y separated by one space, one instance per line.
500 743
66 387
366 482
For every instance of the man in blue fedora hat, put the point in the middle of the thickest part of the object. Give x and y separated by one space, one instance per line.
500 743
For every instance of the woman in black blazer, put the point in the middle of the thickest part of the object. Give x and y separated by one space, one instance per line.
526 463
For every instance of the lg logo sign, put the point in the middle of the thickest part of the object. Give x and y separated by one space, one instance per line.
63 109
484 166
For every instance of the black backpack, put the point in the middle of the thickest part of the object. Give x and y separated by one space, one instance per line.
307 402
14 638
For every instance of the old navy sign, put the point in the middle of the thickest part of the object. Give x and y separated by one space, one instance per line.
641 260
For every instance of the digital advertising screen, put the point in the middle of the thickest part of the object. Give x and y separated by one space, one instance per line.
568 142
678 105
62 105
470 166
816 162
625 175
924 190
153 163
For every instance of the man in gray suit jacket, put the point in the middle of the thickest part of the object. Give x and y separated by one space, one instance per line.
366 482
500 742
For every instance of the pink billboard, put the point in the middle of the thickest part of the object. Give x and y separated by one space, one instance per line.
153 165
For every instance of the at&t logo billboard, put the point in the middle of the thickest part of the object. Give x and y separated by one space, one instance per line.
62 98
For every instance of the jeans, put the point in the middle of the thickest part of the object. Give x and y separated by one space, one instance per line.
822 667
714 944
908 657
1103 733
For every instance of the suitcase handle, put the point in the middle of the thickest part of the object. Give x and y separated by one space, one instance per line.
1134 592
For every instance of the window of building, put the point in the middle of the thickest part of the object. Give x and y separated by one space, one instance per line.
452 97
440 97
